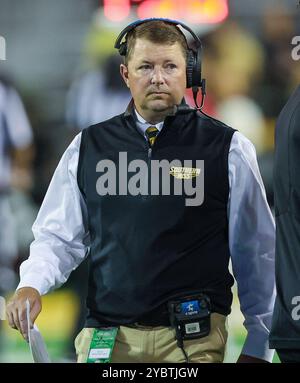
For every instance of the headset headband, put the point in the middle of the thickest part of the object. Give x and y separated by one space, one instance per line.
133 25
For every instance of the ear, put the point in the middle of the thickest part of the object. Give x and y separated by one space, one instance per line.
124 73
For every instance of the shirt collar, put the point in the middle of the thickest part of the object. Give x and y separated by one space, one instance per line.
143 124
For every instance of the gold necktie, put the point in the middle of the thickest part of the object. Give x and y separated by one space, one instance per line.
151 134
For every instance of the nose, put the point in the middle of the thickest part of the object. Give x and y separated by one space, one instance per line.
157 77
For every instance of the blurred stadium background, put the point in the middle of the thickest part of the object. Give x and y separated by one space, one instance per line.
61 61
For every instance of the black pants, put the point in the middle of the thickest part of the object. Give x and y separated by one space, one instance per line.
289 355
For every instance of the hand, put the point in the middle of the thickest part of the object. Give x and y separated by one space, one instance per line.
16 309
250 359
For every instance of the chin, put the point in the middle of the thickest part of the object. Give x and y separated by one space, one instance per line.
159 106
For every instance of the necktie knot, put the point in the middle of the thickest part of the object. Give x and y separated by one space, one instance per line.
151 134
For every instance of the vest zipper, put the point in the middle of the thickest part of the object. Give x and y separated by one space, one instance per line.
149 155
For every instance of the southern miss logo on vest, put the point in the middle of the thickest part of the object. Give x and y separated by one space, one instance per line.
184 172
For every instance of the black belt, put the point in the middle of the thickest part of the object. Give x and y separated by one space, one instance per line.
157 317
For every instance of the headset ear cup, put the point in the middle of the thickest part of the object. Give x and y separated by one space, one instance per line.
189 68
123 49
196 77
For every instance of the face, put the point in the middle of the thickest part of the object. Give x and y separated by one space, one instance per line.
156 77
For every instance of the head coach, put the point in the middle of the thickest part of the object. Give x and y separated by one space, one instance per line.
159 287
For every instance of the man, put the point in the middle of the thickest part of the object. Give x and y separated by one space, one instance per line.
16 155
147 250
285 333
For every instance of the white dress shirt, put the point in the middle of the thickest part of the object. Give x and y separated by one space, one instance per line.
62 238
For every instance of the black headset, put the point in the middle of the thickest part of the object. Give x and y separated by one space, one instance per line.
193 67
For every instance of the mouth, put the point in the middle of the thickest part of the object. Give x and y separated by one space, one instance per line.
158 93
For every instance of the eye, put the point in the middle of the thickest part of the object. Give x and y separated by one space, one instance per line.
171 66
145 66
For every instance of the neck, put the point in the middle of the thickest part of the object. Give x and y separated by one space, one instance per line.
154 117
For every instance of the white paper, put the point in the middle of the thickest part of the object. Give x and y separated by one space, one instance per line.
36 342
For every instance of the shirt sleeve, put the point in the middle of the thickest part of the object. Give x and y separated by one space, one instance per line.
61 237
18 126
252 246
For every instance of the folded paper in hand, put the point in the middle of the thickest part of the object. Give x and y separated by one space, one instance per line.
36 343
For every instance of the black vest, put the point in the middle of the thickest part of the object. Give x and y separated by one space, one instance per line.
285 332
146 249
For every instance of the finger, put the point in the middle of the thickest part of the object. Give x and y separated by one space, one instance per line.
23 320
34 312
10 318
16 318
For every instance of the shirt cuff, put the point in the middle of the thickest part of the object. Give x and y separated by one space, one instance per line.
35 281
257 345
